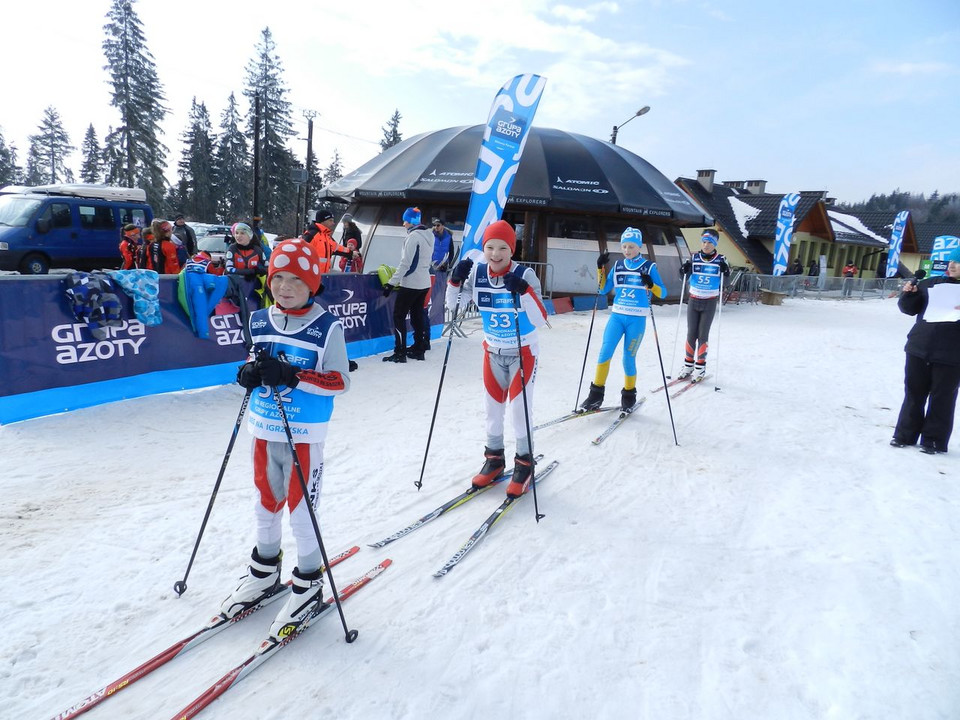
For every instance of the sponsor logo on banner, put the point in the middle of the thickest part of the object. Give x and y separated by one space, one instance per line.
503 141
784 236
228 329
896 242
351 313
943 246
75 343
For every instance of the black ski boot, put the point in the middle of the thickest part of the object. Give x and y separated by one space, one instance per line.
594 398
522 468
492 468
628 398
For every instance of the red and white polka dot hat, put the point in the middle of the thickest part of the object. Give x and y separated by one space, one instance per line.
298 258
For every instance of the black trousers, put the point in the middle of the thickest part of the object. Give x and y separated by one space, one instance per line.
700 314
410 302
929 402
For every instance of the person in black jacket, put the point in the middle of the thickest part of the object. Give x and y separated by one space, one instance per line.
932 373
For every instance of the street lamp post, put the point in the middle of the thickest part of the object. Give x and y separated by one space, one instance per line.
642 111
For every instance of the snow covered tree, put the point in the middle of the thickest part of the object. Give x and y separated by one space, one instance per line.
234 180
391 132
49 149
138 95
334 170
9 170
112 158
197 183
277 195
91 169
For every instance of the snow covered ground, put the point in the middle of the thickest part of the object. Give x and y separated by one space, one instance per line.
782 562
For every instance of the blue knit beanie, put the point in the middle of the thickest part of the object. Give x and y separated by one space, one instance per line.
954 256
412 216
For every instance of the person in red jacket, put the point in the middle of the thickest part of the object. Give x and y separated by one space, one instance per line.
320 237
130 247
162 252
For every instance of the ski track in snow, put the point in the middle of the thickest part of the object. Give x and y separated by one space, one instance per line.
783 562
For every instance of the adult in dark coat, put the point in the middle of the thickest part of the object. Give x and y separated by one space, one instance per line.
932 373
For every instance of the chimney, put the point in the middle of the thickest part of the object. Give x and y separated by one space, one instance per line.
756 187
705 178
735 184
820 194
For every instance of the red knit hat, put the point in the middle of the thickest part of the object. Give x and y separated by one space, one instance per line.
501 230
298 258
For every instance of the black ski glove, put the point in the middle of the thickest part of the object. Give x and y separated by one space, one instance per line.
274 372
646 280
387 289
248 376
603 260
686 268
515 284
724 268
461 272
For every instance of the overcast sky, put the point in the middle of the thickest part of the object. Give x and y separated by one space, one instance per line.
852 97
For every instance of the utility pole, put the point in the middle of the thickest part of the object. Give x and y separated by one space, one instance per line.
309 115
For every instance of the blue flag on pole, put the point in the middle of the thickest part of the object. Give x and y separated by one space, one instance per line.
943 246
896 242
781 246
510 118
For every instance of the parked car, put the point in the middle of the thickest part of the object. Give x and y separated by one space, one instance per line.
214 245
66 226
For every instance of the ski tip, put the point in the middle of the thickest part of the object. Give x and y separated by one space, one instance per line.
386 563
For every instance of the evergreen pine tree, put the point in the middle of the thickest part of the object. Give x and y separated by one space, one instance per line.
48 151
91 170
277 195
391 132
234 180
9 170
196 188
111 158
36 171
138 95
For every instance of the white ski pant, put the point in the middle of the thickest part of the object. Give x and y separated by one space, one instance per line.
501 380
278 484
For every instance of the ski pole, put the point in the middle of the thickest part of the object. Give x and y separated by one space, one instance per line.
350 635
666 392
716 385
526 410
436 403
180 586
676 337
583 369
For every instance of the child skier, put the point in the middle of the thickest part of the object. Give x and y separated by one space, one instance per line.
493 285
298 349
630 280
704 269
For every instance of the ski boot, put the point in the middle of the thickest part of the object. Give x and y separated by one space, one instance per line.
307 594
261 581
628 398
594 398
492 468
686 372
699 374
522 469
397 357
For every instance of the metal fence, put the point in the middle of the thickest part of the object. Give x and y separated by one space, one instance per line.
831 288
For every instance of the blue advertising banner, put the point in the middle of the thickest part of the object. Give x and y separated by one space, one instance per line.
896 242
50 362
943 245
784 236
503 140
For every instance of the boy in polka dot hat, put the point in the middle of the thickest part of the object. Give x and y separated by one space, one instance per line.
298 353
296 258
